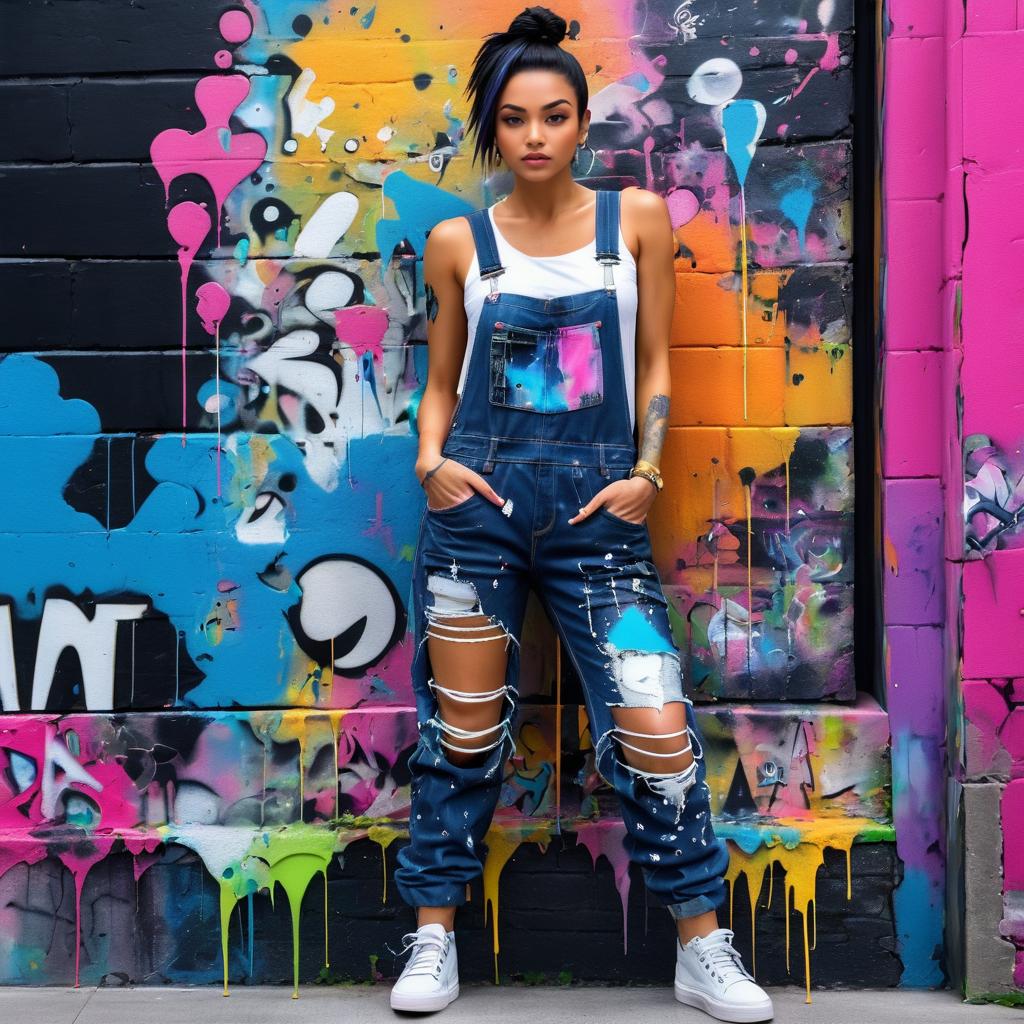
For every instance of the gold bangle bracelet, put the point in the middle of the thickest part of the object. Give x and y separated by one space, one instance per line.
647 476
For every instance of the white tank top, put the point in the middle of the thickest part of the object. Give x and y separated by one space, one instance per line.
548 277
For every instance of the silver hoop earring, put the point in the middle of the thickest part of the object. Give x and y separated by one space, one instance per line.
576 159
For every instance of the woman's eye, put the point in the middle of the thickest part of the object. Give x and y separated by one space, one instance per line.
513 119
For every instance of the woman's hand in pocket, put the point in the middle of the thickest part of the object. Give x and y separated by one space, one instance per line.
628 499
452 483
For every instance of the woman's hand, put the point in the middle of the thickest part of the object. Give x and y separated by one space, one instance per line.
628 499
452 483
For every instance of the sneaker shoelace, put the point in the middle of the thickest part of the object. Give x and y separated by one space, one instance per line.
726 962
428 951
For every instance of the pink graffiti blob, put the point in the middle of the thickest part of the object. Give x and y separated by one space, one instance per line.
683 206
212 307
235 26
189 223
107 789
362 328
66 766
213 153
603 838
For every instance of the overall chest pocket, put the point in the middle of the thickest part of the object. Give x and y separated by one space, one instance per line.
556 370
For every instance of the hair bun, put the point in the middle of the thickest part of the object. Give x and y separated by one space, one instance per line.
538 24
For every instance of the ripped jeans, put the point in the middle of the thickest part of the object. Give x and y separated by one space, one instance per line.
477 562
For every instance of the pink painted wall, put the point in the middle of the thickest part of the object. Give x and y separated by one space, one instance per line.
953 428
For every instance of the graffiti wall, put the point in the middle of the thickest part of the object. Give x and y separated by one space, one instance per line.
214 353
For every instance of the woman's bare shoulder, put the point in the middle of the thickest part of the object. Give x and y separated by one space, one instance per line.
643 204
450 247
644 214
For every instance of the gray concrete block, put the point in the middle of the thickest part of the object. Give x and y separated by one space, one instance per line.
988 958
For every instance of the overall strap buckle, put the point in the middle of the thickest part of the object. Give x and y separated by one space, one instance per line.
608 205
486 250
609 273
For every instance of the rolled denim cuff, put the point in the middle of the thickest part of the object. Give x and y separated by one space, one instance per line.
691 908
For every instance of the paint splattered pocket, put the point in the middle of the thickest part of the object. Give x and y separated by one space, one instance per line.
546 371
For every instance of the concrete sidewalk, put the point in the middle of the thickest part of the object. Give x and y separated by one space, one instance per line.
507 1004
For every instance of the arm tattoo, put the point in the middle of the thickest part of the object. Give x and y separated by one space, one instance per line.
432 303
655 425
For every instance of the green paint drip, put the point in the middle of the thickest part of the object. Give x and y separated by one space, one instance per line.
261 860
295 856
228 900
294 873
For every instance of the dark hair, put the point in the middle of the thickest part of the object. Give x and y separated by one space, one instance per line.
531 41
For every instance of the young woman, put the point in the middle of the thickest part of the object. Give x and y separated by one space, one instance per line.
531 471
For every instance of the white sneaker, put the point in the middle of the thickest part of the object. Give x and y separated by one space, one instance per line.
710 975
430 980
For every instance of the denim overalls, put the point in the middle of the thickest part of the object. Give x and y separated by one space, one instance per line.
543 415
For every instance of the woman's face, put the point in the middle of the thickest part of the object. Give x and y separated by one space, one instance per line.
537 117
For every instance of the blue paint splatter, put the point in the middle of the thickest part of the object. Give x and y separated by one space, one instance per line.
420 206
634 632
182 541
796 205
741 124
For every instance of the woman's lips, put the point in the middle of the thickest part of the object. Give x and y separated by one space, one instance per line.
536 159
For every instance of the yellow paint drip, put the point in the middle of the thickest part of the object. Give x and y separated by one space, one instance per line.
800 864
501 844
384 837
743 306
788 488
327 951
335 719
312 730
750 583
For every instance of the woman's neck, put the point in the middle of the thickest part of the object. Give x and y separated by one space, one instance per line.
541 203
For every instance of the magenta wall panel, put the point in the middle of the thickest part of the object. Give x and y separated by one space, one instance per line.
994 615
913 580
911 414
913 135
914 275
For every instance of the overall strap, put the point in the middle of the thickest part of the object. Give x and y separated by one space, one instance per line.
486 247
608 234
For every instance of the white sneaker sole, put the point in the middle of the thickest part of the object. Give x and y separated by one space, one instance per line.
423 1003
724 1011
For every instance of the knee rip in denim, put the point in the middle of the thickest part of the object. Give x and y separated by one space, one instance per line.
673 786
652 679
455 599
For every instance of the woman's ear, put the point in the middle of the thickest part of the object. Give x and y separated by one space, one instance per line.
585 126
